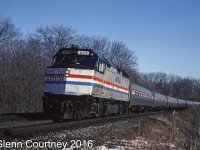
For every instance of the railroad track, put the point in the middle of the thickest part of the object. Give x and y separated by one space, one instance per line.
30 129
10 118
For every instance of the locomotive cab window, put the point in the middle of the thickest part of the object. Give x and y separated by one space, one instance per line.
81 59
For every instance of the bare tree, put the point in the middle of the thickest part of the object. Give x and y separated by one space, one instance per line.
99 44
171 85
124 58
10 37
8 33
54 37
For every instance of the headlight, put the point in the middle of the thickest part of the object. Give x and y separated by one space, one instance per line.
67 72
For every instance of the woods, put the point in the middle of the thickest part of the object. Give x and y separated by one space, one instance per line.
172 85
23 60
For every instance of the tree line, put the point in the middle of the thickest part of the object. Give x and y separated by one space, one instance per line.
23 60
186 88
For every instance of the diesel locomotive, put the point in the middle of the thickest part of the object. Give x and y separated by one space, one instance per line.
80 83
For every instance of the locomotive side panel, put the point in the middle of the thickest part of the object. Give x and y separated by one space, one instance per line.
126 90
98 88
116 85
108 76
109 86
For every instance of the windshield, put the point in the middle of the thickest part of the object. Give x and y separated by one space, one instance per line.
78 61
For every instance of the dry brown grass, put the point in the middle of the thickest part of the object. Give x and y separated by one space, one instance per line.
168 131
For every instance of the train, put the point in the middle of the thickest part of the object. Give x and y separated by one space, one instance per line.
80 83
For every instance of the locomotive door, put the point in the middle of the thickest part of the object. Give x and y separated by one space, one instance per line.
104 83
113 83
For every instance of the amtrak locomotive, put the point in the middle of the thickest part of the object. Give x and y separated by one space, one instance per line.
82 84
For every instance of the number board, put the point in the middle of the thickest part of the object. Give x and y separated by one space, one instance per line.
83 53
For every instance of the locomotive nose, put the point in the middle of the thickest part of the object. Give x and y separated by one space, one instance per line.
55 80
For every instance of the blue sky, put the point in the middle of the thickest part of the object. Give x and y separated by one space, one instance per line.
165 34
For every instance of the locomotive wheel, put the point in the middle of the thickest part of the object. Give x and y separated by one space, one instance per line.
77 115
119 109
